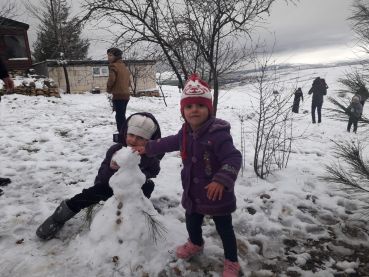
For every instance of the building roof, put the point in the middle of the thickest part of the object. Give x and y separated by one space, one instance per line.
7 22
56 63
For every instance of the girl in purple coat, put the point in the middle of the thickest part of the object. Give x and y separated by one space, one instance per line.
136 131
210 167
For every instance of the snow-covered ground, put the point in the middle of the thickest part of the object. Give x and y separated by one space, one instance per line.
293 224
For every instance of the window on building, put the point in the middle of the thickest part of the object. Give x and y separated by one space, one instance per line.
104 71
13 47
101 71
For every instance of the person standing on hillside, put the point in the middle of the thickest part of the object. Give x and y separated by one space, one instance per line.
118 85
318 89
355 109
363 94
296 101
9 85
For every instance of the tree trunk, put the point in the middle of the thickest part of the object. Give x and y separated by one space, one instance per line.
67 91
216 94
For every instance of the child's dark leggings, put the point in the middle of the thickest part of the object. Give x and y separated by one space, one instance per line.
100 192
224 227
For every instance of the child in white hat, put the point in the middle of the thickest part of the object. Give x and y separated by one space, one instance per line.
138 129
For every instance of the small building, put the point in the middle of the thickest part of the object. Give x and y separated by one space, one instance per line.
14 45
87 75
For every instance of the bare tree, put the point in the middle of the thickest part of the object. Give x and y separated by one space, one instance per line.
192 35
8 10
273 114
139 72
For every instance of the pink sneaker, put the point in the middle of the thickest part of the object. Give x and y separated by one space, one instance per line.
188 250
231 269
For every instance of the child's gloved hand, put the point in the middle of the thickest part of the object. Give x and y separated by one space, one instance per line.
113 163
9 84
215 191
139 149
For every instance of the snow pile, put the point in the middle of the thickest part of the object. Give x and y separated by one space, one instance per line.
292 224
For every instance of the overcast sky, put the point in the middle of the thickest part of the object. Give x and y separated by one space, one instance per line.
312 31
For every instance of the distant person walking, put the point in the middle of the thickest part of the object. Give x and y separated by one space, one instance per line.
355 109
118 85
363 93
318 89
8 85
296 101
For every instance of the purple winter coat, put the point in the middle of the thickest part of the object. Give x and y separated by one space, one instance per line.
211 156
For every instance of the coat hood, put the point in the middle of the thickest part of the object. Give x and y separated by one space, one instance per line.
123 131
211 125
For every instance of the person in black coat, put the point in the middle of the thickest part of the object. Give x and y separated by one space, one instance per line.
355 109
296 101
138 128
318 89
9 85
4 75
363 93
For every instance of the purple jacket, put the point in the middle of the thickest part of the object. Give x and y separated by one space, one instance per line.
211 156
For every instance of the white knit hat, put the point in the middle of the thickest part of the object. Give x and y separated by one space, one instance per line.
141 125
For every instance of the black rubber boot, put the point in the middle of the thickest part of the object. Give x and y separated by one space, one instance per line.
4 182
55 222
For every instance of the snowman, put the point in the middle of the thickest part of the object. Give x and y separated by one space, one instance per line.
128 221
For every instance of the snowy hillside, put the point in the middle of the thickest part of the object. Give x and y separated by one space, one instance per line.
293 224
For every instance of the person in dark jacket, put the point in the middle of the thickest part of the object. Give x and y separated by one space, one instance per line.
318 89
296 101
118 85
8 85
138 129
363 93
4 75
210 167
355 109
